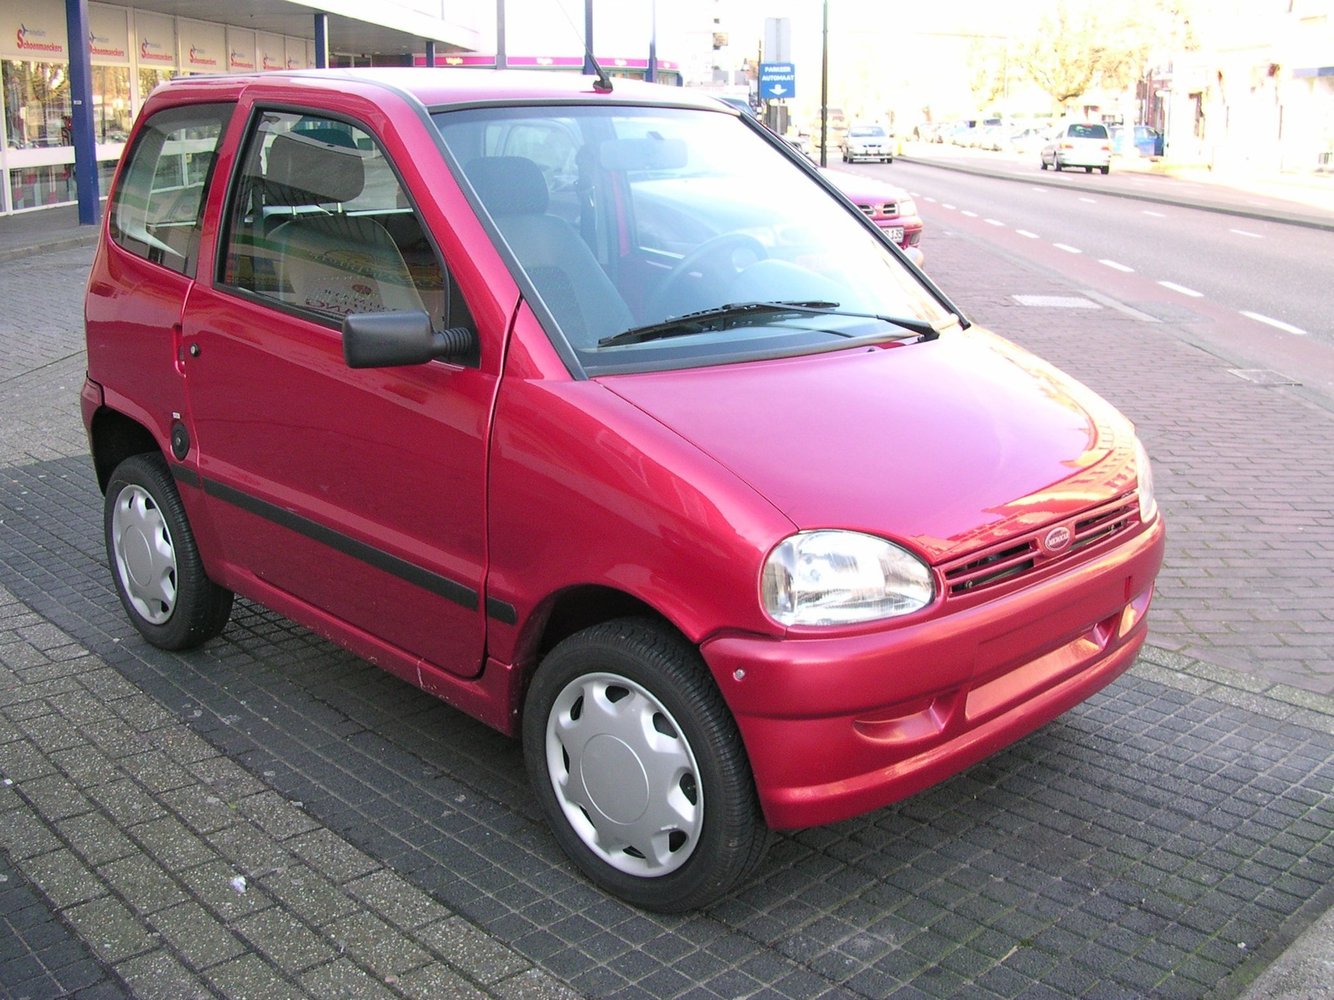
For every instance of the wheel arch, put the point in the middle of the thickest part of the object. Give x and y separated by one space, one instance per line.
114 437
570 611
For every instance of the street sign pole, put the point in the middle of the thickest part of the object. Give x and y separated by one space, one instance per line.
824 88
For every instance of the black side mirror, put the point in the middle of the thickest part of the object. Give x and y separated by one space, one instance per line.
391 339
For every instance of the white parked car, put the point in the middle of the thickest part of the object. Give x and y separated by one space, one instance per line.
1079 144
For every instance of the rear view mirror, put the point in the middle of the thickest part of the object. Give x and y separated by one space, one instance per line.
642 154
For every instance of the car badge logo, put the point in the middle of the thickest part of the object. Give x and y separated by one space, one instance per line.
1057 540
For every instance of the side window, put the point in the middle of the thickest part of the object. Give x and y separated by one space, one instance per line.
320 222
157 210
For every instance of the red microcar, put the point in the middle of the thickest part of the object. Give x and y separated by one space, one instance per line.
604 418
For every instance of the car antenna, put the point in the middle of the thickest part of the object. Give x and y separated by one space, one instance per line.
601 81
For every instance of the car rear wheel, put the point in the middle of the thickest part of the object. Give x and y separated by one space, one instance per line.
639 768
1105 169
154 559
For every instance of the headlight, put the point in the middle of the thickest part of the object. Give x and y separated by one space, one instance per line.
1148 506
842 577
907 206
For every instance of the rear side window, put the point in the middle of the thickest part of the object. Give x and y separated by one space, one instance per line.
158 206
1088 132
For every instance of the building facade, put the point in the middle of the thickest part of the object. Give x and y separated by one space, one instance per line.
131 49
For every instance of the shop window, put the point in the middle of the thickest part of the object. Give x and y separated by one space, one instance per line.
157 209
37 104
42 187
112 114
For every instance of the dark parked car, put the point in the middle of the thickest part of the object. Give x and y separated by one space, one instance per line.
604 418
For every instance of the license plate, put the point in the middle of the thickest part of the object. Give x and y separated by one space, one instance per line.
895 234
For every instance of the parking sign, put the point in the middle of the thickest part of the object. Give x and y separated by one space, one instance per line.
778 80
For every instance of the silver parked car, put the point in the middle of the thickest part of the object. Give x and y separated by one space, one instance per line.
1079 144
867 142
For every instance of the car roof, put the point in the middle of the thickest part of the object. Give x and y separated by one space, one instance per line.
448 86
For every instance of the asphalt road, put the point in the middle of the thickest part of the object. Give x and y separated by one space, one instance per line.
1254 291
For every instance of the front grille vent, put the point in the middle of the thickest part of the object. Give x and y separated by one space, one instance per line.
1011 560
887 209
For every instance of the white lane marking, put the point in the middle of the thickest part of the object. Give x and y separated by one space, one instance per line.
1067 248
1088 201
1056 301
1026 234
1118 267
1242 232
931 200
993 222
968 215
1182 289
1156 215
1112 303
946 204
1277 324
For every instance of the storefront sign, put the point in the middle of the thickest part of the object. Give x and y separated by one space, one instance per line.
271 49
241 50
203 46
33 31
294 53
155 36
108 35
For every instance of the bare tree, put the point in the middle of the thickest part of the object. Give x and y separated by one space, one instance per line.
1080 45
987 69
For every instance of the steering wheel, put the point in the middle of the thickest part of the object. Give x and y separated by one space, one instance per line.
705 273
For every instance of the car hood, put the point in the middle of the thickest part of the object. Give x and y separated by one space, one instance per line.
948 445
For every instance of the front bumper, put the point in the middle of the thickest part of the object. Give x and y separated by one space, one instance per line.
840 726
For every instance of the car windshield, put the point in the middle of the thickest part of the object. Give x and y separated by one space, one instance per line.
1088 132
618 219
866 132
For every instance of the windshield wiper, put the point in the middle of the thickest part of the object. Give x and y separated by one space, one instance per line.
743 313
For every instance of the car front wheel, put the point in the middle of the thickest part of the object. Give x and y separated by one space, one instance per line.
154 560
639 767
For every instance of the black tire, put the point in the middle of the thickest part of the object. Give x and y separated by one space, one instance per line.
690 829
1043 163
1105 170
154 559
1088 170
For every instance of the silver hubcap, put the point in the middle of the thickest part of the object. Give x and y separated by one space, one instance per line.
145 557
624 775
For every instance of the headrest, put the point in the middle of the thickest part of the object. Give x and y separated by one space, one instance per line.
509 185
305 168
